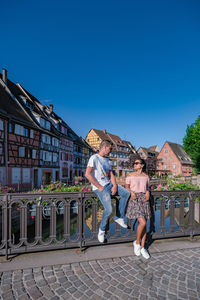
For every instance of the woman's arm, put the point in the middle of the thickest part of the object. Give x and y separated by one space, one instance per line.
147 194
133 195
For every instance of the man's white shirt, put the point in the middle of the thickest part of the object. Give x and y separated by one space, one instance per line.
101 167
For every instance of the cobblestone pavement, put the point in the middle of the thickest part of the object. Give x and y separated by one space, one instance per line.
169 275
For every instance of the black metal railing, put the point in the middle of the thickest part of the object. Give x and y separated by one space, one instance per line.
37 222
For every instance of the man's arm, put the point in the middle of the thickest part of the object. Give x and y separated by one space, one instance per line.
113 181
88 175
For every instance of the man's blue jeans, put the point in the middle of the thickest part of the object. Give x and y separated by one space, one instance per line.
105 198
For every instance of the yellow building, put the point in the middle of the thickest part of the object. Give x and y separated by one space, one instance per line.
121 151
95 137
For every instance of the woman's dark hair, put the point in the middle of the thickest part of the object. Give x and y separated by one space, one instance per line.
142 162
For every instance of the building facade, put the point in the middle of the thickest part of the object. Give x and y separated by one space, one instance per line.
3 134
173 159
150 156
21 142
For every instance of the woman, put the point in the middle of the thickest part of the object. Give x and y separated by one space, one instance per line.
138 206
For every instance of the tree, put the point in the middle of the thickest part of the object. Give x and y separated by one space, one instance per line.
191 143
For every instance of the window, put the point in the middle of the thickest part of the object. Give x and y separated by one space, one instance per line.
19 129
64 172
47 156
31 133
55 157
26 132
28 153
174 166
64 130
55 142
21 151
34 154
42 122
78 161
16 175
45 124
46 139
1 124
11 127
166 150
26 175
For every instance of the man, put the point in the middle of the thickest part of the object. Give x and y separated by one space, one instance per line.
104 184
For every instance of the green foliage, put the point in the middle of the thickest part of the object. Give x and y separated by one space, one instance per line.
191 143
175 184
60 187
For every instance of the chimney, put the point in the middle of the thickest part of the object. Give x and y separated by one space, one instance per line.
51 108
4 76
104 131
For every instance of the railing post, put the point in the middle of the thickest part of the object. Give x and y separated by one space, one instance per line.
191 214
81 221
6 226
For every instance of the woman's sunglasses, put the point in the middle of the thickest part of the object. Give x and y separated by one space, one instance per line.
137 163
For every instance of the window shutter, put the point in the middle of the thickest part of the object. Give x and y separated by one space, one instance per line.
31 133
16 175
26 175
34 154
49 156
1 124
21 151
17 129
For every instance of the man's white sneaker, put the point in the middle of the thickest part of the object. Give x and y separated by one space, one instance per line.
144 253
120 221
137 248
101 235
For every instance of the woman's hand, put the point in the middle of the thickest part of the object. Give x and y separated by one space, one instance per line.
133 195
147 196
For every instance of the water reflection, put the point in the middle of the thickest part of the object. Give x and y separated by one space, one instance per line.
60 208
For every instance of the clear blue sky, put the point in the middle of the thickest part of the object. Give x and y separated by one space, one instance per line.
131 67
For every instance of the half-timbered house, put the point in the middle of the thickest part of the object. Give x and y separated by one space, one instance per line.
49 169
21 142
66 145
3 142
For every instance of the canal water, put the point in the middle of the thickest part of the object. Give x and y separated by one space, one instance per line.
46 211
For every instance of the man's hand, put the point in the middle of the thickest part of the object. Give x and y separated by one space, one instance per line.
100 189
133 195
147 195
114 190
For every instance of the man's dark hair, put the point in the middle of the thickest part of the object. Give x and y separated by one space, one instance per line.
105 143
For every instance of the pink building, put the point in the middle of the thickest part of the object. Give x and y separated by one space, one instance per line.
174 160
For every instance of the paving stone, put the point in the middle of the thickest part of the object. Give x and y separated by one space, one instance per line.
170 275
34 293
